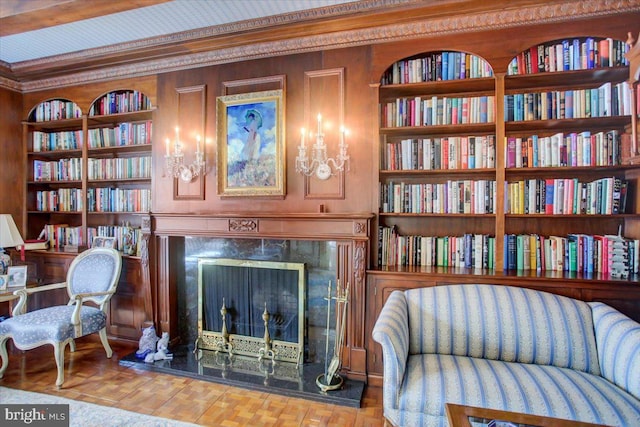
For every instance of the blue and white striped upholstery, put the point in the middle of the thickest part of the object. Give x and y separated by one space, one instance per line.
392 332
618 341
506 348
502 323
435 379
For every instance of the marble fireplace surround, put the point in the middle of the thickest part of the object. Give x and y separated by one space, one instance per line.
349 231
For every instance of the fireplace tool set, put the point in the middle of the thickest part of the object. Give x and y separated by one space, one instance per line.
330 380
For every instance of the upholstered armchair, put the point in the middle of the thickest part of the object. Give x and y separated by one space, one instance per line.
92 278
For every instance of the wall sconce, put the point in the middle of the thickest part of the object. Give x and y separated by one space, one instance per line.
319 162
174 161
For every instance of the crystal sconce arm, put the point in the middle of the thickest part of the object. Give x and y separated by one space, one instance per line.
174 160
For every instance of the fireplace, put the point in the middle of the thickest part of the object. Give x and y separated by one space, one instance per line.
312 261
331 247
238 298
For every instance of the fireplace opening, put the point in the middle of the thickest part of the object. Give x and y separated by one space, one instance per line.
237 298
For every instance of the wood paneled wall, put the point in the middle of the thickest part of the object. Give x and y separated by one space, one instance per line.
358 180
12 166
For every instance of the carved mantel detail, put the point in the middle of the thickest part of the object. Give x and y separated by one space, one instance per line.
243 225
359 261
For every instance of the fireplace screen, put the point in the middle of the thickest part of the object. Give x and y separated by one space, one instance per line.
237 298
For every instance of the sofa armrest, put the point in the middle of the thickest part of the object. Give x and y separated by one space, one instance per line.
618 342
392 332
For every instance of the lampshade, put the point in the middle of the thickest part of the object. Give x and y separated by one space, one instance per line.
9 234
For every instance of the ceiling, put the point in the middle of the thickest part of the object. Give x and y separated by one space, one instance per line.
34 29
54 43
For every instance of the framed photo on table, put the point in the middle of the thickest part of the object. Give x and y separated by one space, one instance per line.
103 242
251 152
17 276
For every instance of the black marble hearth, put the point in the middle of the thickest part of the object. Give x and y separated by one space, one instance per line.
247 372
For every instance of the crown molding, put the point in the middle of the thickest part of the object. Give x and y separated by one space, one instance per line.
548 13
13 85
212 32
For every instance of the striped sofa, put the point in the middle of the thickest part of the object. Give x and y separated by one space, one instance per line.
507 348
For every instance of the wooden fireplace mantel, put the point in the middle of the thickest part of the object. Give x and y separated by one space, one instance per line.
317 226
351 231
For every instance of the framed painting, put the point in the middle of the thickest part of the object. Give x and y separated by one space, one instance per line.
251 144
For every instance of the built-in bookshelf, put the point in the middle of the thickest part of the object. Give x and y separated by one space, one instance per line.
438 152
89 173
54 147
567 183
540 184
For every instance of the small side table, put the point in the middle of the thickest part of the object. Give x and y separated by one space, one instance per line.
7 295
462 416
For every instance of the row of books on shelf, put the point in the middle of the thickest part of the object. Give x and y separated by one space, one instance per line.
568 196
119 168
122 135
435 110
56 109
52 141
467 251
60 236
604 101
60 200
564 149
120 102
437 66
570 54
59 170
118 200
453 152
611 255
451 197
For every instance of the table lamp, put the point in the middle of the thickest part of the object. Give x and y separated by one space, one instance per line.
9 237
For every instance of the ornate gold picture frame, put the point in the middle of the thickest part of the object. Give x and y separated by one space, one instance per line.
251 151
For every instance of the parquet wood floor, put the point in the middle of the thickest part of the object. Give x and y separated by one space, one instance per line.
91 377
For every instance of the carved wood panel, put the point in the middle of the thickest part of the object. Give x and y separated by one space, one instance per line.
324 94
191 120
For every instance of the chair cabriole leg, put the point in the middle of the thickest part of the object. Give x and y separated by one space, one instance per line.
58 351
105 342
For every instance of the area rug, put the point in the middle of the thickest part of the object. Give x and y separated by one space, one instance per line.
83 414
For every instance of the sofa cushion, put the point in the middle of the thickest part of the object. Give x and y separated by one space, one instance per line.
432 380
502 323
